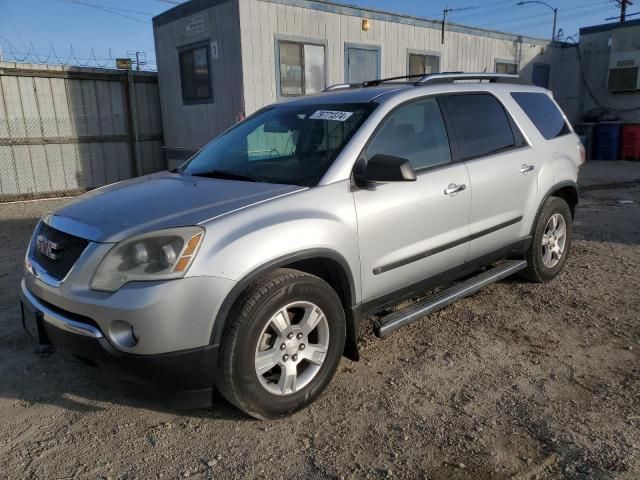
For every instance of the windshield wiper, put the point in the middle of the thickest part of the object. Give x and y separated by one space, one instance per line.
227 174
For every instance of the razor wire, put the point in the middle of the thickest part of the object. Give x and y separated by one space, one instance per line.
12 54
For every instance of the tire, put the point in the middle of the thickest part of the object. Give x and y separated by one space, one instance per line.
256 336
542 266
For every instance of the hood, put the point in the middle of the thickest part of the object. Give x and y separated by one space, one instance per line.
154 202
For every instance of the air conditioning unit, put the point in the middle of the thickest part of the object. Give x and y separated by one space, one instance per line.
624 67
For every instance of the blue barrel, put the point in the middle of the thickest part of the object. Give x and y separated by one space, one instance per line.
607 141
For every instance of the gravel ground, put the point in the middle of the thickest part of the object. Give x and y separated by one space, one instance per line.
519 381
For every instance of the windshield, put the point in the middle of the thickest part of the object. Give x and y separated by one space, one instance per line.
290 144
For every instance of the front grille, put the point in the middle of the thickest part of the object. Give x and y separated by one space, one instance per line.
69 249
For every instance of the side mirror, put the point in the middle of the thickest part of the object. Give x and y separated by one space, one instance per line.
384 168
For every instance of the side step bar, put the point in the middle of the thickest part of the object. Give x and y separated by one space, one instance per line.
387 324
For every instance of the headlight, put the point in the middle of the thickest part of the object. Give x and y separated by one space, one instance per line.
160 255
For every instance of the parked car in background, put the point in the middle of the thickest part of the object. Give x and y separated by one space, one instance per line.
252 266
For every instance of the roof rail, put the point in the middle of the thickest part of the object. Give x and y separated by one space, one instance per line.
437 78
340 86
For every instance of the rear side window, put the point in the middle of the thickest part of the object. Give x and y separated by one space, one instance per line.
543 113
482 126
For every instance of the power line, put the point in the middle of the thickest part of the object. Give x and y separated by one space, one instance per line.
495 11
104 9
474 7
111 8
561 16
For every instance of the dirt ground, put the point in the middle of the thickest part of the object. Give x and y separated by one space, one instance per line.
519 381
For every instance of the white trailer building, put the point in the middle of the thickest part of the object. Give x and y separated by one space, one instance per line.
219 60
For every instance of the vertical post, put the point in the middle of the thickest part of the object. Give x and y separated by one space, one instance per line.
131 125
444 20
555 21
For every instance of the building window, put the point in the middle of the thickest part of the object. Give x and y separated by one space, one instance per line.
621 79
506 67
195 74
302 69
420 64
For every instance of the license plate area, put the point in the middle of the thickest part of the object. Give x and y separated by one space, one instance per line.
32 323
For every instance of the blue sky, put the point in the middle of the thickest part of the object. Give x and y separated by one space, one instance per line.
124 26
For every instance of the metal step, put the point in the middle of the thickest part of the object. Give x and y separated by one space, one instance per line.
387 324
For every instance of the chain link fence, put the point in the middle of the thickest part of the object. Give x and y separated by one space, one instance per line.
64 133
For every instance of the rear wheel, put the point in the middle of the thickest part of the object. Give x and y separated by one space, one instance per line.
551 241
283 345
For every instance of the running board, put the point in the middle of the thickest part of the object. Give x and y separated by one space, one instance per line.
387 324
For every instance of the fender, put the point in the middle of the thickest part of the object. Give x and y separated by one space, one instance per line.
555 188
352 321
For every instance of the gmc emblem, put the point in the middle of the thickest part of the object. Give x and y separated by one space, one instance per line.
47 248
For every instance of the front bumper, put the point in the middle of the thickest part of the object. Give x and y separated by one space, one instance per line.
186 370
166 316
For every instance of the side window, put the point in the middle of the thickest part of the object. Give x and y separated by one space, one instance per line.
420 64
481 125
506 67
195 74
414 131
302 69
543 113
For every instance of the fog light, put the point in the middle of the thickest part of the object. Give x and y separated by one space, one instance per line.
121 333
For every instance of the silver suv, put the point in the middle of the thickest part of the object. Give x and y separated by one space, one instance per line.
251 267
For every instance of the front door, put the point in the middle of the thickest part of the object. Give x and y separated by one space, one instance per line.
410 231
362 63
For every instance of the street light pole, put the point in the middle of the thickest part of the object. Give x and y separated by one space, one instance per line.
555 14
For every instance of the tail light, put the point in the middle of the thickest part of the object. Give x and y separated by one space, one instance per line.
583 153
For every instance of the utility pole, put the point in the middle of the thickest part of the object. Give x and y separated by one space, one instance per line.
446 12
138 61
623 8
444 20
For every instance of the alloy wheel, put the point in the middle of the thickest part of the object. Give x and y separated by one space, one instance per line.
292 348
554 240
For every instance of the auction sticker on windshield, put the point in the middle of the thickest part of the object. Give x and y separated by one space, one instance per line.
331 115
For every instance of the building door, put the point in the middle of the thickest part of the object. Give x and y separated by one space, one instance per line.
540 75
362 63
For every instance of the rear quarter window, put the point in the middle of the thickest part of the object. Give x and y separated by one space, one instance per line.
544 114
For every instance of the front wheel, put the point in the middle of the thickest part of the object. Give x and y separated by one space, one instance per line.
551 241
283 345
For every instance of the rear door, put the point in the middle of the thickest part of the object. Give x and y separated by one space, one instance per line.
410 231
501 168
362 63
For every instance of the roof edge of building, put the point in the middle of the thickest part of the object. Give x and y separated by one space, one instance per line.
194 6
605 27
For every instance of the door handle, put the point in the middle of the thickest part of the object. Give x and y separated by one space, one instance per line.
526 168
453 188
